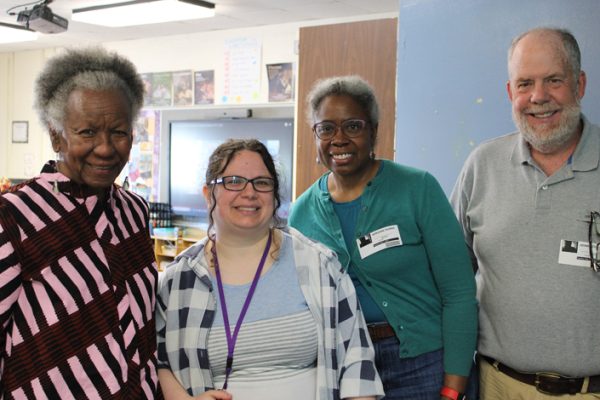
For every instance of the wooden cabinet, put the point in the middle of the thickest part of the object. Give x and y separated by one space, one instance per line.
169 243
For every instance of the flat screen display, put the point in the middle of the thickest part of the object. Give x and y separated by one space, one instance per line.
192 142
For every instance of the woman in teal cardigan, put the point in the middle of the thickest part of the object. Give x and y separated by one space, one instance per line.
395 233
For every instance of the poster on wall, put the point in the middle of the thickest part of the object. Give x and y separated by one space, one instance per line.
241 71
142 168
147 81
281 81
162 89
204 87
182 88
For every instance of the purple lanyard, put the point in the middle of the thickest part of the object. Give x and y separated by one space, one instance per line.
231 339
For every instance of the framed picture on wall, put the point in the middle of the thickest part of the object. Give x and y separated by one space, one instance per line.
20 132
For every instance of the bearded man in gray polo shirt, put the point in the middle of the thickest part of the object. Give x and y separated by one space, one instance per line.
520 198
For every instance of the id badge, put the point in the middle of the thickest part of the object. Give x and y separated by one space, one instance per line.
575 253
378 240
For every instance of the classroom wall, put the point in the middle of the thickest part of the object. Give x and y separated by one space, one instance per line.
169 53
4 110
17 77
451 88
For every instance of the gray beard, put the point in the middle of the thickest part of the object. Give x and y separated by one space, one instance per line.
552 140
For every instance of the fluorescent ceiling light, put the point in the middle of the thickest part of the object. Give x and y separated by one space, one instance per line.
14 33
144 12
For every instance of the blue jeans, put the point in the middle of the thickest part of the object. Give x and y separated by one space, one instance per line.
417 378
472 390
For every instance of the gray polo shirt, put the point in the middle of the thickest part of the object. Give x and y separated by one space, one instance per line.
536 314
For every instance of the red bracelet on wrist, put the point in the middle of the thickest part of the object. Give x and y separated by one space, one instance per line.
450 393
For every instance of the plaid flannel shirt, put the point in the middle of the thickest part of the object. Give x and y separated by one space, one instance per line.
186 306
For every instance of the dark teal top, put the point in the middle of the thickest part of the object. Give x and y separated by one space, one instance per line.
425 287
347 214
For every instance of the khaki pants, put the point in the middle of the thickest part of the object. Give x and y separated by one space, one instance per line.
496 385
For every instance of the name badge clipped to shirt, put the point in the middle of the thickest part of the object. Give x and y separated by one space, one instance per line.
378 240
575 253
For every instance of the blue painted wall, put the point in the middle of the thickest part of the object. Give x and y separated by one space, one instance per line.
451 92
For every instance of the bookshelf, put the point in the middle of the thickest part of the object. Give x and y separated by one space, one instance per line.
169 242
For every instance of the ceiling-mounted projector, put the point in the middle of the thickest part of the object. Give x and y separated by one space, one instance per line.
41 19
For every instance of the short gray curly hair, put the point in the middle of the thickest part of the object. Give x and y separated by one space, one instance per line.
92 68
351 85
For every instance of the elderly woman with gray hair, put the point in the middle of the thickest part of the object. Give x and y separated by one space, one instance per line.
77 270
396 235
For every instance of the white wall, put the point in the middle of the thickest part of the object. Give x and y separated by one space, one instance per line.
170 53
17 76
204 51
4 110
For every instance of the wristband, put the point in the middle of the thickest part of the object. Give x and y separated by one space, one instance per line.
451 393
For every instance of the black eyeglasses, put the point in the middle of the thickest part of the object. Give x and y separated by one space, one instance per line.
594 255
351 127
238 183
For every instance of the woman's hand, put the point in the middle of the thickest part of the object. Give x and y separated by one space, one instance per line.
172 389
214 395
456 382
